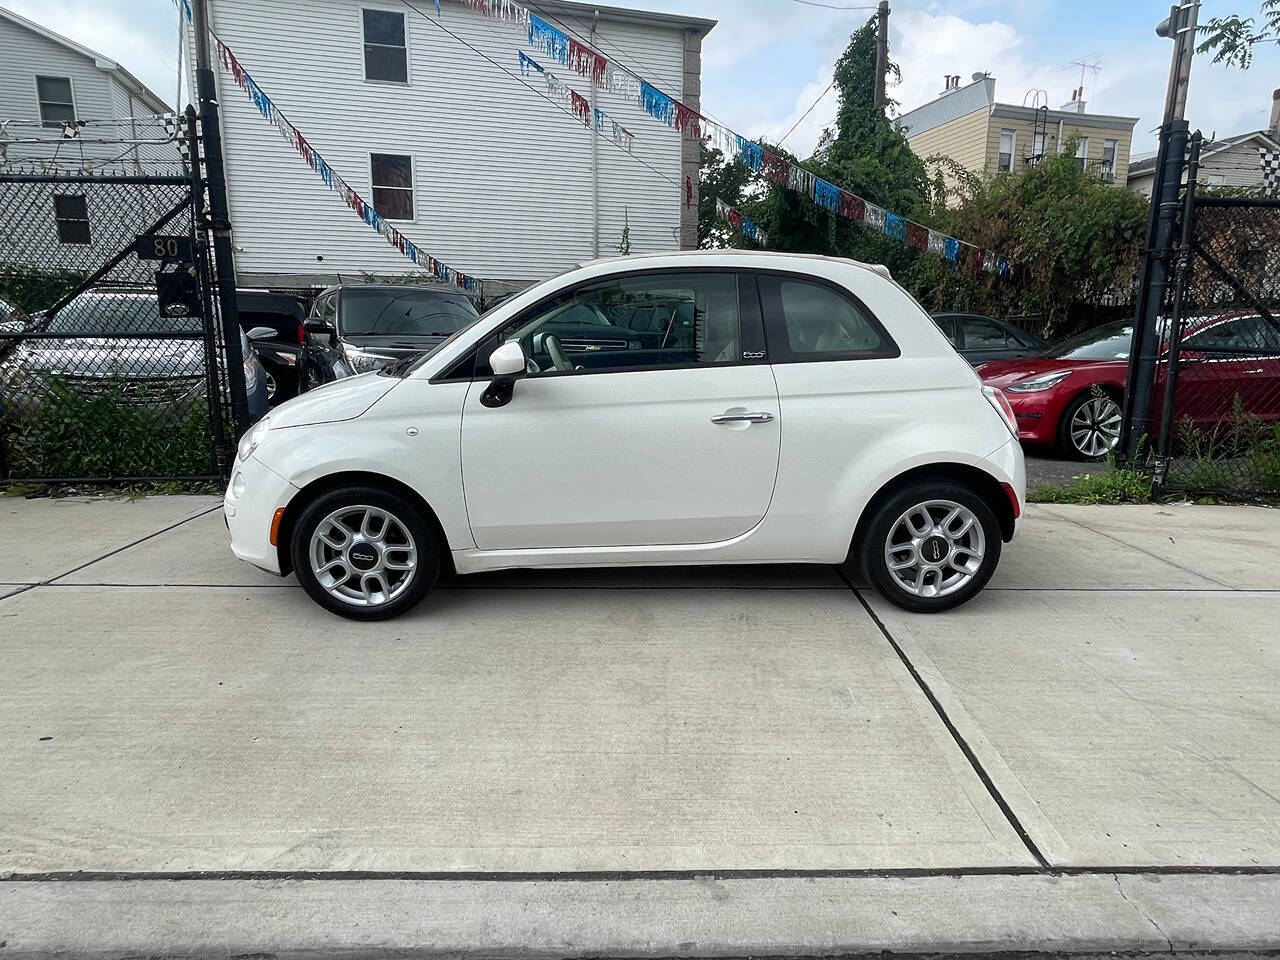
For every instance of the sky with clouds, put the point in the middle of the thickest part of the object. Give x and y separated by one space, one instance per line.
768 60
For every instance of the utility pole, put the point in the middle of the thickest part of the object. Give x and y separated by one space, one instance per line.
1157 262
219 218
882 49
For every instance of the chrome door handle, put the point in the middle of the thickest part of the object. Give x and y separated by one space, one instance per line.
743 418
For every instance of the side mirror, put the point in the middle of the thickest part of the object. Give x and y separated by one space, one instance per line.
261 333
318 326
508 364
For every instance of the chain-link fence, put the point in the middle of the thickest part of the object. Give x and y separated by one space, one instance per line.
1218 384
111 366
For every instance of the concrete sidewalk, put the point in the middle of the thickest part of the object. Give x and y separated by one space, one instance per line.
196 759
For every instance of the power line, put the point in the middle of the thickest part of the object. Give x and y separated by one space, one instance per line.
833 6
807 112
541 93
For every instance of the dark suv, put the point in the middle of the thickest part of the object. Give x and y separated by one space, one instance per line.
358 328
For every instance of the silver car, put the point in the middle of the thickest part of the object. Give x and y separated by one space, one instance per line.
165 364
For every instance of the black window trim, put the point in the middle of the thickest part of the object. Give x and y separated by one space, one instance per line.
60 221
779 345
365 44
751 332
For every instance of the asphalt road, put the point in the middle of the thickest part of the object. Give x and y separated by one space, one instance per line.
1047 466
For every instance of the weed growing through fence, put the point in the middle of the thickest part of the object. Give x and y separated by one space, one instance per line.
1117 485
119 429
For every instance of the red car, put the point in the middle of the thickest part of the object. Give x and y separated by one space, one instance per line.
1054 399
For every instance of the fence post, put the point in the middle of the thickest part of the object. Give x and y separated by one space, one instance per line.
219 219
1182 277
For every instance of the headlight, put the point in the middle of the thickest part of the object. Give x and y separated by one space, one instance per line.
362 362
249 442
1046 382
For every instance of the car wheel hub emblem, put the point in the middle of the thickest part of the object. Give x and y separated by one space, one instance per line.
363 556
935 549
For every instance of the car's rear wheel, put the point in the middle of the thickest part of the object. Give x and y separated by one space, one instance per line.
1090 426
364 553
932 546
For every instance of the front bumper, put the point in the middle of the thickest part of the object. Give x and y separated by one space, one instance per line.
1037 416
262 492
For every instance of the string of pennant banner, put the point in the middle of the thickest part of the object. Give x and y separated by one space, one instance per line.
294 137
568 51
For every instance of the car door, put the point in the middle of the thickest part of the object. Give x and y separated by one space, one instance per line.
1235 358
632 446
984 339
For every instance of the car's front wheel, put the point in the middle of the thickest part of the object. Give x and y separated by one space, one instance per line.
364 553
931 546
1091 425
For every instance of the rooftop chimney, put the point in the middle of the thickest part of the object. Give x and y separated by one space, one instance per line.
1275 114
951 83
1077 102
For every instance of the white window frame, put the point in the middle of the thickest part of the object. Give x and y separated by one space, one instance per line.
1215 179
71 81
1115 159
408 58
1082 153
412 188
1013 149
1044 144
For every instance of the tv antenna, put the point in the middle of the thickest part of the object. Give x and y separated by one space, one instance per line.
1094 66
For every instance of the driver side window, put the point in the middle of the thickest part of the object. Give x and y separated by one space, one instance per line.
633 322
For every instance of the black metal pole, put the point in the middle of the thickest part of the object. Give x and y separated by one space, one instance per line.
219 219
1157 258
1164 440
1145 350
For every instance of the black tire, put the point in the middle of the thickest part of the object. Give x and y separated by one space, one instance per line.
416 584
1065 442
872 549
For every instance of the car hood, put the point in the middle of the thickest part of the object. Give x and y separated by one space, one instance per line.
334 402
396 345
1001 373
125 359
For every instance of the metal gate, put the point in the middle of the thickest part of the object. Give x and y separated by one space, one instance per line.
1217 386
112 355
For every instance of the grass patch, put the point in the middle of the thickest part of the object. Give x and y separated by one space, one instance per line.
1117 485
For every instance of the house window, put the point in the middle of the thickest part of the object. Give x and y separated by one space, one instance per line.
1216 179
71 213
1004 162
392 178
385 54
1107 169
1082 152
1037 146
57 105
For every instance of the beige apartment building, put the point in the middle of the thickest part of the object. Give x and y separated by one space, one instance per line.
969 126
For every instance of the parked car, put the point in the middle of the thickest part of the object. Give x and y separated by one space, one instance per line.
99 353
355 328
814 414
979 339
284 315
1071 397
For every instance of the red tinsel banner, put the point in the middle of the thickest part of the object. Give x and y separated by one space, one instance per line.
581 107
918 236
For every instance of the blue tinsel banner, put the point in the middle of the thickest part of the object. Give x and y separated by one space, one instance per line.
543 36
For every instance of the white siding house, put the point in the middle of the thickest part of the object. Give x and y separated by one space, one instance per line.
500 181
46 81
1225 162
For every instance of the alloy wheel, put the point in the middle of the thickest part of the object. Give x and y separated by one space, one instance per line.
363 556
935 548
1095 426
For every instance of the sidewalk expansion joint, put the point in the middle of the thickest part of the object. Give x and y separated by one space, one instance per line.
959 739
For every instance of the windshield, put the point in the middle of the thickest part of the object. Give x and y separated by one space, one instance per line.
422 313
119 313
1111 341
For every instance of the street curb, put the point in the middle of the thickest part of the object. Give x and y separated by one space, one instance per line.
1078 914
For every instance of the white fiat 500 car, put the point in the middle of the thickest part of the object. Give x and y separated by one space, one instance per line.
699 408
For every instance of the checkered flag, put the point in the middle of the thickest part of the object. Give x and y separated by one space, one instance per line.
175 128
1270 160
